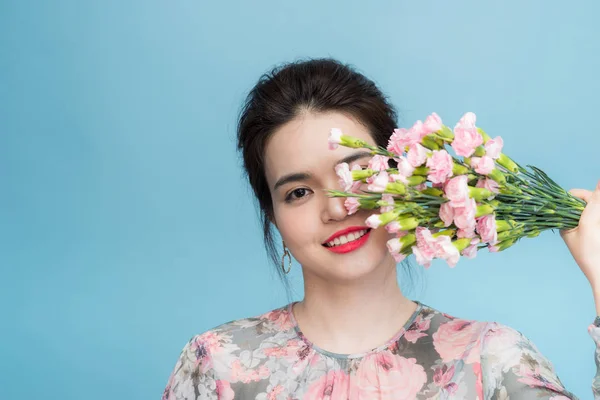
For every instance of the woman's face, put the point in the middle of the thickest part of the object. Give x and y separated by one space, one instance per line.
303 213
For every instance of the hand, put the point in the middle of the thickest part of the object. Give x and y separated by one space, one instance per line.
584 241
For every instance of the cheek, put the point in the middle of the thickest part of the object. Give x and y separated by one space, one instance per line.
382 236
295 227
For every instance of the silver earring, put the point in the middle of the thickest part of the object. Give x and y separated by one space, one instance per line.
287 254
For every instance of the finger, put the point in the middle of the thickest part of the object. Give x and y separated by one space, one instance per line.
583 194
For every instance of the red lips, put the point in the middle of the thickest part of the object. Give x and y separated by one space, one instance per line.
345 231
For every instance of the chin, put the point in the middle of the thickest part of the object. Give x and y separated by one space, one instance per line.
359 263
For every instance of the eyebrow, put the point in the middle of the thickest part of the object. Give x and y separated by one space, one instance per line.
303 176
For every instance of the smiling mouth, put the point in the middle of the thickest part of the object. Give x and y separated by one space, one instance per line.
348 238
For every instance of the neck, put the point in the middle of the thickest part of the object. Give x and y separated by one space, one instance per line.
351 317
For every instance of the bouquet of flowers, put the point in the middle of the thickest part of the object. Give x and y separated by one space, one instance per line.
444 206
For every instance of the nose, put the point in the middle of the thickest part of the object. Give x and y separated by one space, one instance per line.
333 209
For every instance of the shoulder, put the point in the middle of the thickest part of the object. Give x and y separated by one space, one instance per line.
444 325
455 338
231 338
487 334
267 323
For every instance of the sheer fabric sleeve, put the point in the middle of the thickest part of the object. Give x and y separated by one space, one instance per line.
513 368
594 332
193 377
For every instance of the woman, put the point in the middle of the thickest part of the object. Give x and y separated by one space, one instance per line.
354 335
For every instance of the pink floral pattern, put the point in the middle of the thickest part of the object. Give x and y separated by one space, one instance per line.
433 356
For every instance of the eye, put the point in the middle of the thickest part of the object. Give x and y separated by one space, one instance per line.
296 194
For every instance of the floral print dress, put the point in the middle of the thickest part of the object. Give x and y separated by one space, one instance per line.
434 356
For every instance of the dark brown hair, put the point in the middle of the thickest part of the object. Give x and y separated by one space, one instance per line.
315 85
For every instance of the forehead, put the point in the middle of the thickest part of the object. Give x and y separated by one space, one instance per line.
301 144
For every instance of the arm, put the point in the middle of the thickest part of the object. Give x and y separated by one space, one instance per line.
513 368
193 377
584 244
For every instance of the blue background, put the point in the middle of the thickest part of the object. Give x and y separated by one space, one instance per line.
125 223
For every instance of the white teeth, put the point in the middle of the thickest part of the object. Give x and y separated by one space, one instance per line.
347 238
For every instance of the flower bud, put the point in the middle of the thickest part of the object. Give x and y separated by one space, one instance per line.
431 191
479 194
479 151
502 245
446 133
498 176
421 171
447 232
502 225
408 223
513 233
462 244
415 180
430 143
484 209
507 163
484 135
395 188
352 142
360 174
458 169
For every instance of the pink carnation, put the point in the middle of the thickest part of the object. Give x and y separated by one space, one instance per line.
440 166
483 165
417 155
404 167
352 205
466 137
393 227
343 172
493 147
486 227
379 183
468 119
447 251
488 184
379 163
401 139
335 138
422 259
398 257
394 246
457 190
373 221
466 233
471 251
466 140
356 187
419 131
464 217
389 199
398 178
447 214
425 242
433 123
